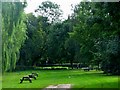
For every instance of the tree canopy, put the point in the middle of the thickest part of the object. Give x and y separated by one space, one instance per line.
90 36
50 10
13 33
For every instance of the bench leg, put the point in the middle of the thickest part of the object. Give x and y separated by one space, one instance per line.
30 80
34 77
21 80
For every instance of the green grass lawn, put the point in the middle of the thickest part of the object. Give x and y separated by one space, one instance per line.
78 79
0 81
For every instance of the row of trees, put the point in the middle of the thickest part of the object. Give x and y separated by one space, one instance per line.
90 36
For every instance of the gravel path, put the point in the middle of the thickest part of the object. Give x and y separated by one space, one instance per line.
58 87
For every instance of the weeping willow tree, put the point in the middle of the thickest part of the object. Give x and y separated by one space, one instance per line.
13 33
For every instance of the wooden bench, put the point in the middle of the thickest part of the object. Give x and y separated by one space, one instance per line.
25 78
35 74
86 69
32 76
29 77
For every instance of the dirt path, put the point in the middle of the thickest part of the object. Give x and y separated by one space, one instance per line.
58 87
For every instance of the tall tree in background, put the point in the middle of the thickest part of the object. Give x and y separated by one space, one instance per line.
55 43
82 33
33 47
98 34
50 10
13 33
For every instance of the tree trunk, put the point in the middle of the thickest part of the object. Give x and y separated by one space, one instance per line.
71 62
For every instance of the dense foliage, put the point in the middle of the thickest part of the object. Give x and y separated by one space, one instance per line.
13 33
97 31
90 36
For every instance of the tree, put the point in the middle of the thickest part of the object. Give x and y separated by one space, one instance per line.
98 18
33 47
50 10
13 33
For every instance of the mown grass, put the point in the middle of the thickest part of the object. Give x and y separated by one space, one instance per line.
78 79
0 81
